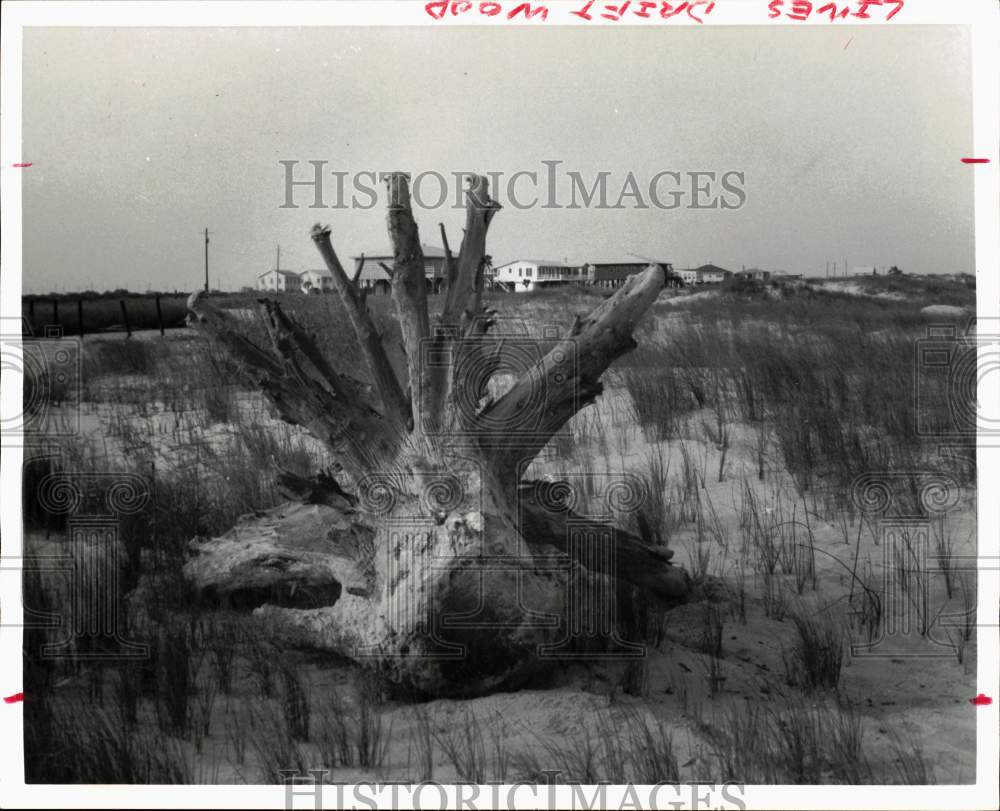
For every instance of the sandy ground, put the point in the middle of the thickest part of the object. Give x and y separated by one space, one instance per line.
909 686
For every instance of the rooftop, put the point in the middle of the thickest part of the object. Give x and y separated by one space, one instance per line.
544 262
631 261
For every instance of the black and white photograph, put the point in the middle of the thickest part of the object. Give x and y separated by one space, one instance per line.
321 486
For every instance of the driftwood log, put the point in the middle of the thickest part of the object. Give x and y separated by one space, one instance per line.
424 553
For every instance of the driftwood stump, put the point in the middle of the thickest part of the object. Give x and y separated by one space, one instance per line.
425 553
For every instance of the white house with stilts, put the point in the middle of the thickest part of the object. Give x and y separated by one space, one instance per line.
530 274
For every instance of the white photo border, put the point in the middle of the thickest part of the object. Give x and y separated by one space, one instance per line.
981 16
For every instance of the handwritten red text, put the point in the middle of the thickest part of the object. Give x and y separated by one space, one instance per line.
646 9
802 10
510 11
659 10
587 10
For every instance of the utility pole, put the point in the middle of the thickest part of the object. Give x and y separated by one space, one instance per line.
206 260
277 265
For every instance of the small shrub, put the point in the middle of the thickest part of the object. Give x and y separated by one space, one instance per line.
714 674
791 743
845 737
614 748
91 745
262 657
222 647
295 705
652 745
961 629
422 741
818 651
126 690
372 736
739 745
909 766
203 701
237 736
576 757
275 748
798 736
657 401
334 733
867 609
944 551
464 744
127 356
655 518
774 598
174 682
711 629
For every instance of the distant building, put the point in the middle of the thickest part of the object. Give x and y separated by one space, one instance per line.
374 278
530 274
706 274
316 281
712 274
870 270
520 275
614 274
279 281
756 274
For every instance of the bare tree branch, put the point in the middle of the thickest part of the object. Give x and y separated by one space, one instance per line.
303 387
396 407
450 268
461 317
409 292
291 341
464 296
518 425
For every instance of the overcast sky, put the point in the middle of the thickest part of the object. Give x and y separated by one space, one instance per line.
139 139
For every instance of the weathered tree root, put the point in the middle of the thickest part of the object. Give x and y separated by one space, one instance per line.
427 557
